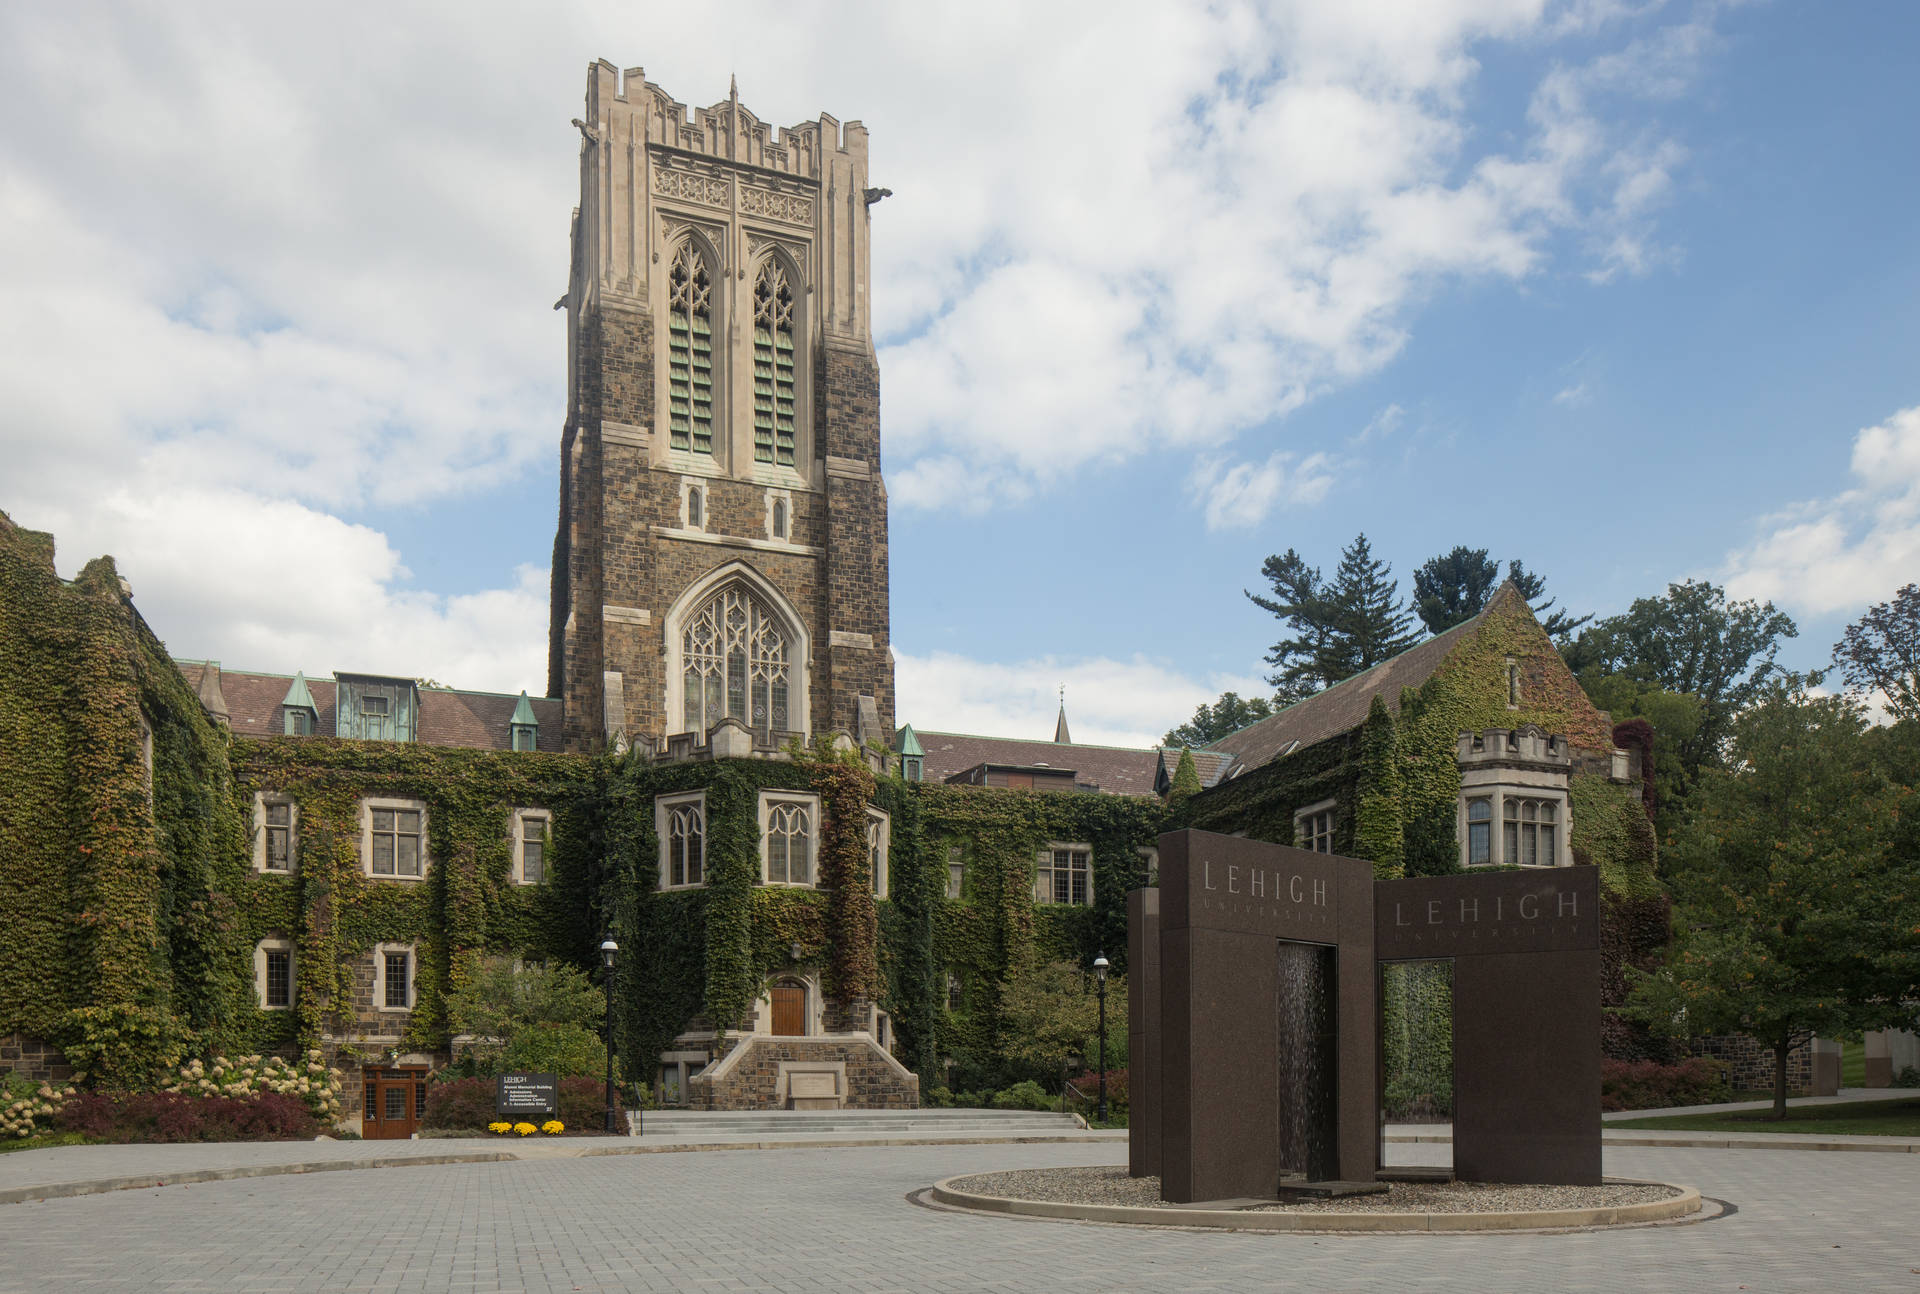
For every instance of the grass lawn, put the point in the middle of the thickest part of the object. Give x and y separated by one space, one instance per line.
1899 1117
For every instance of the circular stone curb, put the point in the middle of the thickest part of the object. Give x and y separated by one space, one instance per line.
1687 1202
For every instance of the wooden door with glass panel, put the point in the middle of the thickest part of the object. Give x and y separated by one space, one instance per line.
393 1103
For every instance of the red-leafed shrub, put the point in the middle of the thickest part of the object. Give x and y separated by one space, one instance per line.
1087 1088
1646 1085
174 1116
466 1104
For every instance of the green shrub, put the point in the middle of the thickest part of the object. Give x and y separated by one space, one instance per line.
1907 1077
1027 1095
124 1048
563 1049
1646 1085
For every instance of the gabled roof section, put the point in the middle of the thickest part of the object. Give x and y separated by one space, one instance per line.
298 697
908 744
523 713
1211 764
1344 706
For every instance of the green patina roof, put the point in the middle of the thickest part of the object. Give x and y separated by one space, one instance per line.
908 744
298 697
523 713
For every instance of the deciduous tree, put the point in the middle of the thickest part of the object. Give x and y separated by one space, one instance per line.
1796 915
1880 652
1222 718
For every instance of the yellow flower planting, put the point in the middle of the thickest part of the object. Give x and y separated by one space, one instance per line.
500 1127
525 1129
553 1127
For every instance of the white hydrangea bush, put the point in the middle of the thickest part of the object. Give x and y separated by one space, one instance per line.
307 1078
26 1115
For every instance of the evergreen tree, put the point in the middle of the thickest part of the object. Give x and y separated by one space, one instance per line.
1340 626
1451 589
1222 718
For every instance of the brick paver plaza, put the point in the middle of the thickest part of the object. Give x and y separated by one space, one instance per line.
807 1220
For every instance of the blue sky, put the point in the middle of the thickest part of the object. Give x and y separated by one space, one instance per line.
1627 290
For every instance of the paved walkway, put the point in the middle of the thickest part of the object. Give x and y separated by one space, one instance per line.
1847 1096
813 1220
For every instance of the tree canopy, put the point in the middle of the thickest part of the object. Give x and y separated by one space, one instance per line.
1880 652
1796 915
1222 718
1691 640
1339 627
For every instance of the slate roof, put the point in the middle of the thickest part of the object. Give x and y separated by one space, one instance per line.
1211 764
1117 770
1344 706
478 720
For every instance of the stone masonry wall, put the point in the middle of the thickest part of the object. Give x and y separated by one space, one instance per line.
872 1084
1750 1063
32 1058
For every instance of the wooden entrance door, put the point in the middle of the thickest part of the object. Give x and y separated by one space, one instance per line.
789 1010
393 1102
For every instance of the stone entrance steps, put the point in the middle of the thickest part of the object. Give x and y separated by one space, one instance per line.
762 1125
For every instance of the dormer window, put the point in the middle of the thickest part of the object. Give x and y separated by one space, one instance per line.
375 708
523 729
298 715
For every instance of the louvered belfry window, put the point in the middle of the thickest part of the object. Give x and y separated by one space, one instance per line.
734 664
690 352
773 383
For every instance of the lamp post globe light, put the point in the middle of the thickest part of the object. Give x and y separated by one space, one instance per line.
609 953
1100 986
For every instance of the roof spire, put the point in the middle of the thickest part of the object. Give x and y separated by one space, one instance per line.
1060 734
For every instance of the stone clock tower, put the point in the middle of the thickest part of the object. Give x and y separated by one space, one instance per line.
722 547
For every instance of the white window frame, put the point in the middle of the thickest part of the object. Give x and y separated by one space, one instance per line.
773 532
879 841
261 799
1492 823
1497 791
380 952
367 806
1303 836
663 806
1523 796
518 823
811 802
1045 866
260 951
689 486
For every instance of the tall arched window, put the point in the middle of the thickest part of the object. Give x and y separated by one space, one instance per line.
773 378
690 352
734 663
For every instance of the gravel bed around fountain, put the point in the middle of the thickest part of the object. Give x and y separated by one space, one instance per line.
1109 1194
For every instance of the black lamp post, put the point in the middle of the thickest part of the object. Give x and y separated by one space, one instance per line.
1100 986
609 951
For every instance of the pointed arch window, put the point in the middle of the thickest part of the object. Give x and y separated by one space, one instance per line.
773 366
690 352
735 664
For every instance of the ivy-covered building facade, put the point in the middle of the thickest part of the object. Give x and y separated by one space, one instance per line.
208 861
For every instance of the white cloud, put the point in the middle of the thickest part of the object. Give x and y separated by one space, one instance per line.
1380 426
273 584
1851 549
1573 396
1109 702
302 261
1242 495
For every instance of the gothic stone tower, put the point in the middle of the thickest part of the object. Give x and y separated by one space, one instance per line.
722 548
